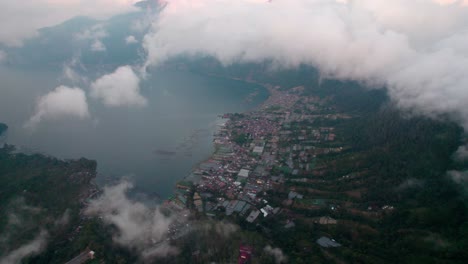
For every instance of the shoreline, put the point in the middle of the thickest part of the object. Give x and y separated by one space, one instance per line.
268 87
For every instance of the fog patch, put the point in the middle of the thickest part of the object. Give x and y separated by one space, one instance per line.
459 177
277 253
222 229
140 227
31 248
409 184
462 153
63 220
225 229
164 249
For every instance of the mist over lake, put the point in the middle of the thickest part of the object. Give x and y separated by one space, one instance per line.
155 145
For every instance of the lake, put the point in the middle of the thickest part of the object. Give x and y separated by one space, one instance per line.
155 146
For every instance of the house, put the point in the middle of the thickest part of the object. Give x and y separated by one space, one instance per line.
258 150
326 220
289 224
245 254
294 195
243 173
252 216
327 242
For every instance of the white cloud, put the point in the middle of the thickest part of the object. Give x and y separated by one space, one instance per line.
131 40
416 49
95 34
98 46
410 183
70 74
277 253
120 88
69 71
64 219
31 248
142 24
63 102
460 177
225 229
21 19
21 221
139 227
462 153
222 228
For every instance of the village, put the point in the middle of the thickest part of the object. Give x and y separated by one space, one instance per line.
271 166
274 147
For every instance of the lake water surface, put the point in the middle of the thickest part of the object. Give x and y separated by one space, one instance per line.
155 145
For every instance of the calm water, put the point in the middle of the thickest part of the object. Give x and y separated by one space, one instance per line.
156 145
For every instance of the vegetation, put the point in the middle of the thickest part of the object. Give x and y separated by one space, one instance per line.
392 160
40 193
407 160
241 139
389 189
94 234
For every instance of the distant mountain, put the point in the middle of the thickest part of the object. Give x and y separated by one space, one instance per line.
73 39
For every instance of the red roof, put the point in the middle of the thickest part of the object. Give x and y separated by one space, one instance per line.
245 254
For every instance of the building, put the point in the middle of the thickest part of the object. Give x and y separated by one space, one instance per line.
243 173
294 195
252 216
258 150
82 258
326 220
327 242
245 254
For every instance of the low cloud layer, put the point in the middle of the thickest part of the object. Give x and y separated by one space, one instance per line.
120 88
31 248
139 227
63 102
416 49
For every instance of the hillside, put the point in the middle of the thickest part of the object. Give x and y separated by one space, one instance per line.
40 198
